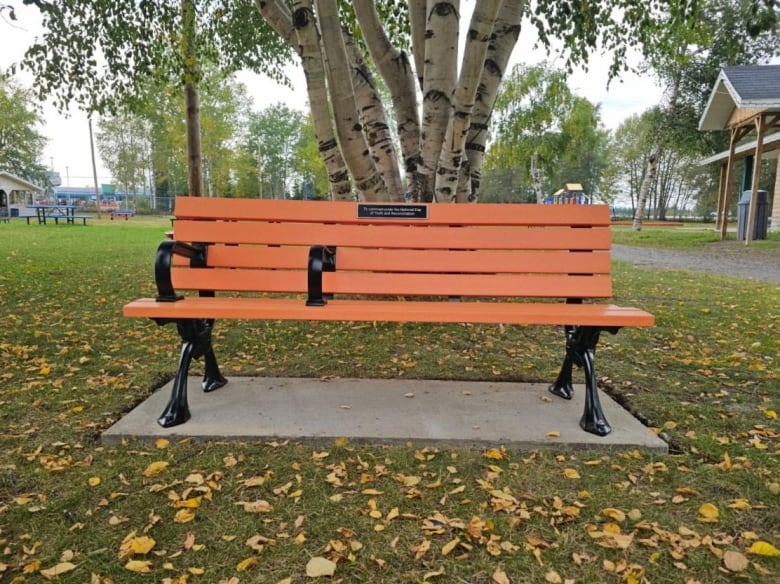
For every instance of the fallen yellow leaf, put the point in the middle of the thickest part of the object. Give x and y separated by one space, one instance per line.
139 566
614 514
142 545
184 516
259 506
495 454
500 577
55 571
155 468
94 481
317 567
448 547
553 577
763 548
571 473
735 561
708 513
162 443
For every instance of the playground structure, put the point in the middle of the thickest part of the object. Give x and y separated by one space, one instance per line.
570 194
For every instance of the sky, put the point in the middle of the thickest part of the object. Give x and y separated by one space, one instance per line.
68 150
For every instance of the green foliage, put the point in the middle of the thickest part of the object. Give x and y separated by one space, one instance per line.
21 144
280 139
102 54
538 116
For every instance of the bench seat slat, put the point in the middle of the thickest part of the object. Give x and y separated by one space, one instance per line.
407 260
356 310
394 236
403 284
346 212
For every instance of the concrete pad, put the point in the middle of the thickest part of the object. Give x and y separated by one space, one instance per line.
478 413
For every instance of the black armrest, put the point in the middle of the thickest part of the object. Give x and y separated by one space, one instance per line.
322 258
164 260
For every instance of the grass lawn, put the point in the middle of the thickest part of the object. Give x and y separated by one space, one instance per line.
691 236
707 376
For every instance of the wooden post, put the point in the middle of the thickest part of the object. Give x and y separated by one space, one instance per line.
729 168
753 208
722 194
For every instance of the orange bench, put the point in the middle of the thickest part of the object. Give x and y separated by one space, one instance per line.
342 261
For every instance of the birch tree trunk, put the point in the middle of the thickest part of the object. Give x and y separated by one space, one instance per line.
505 34
348 129
418 20
314 70
299 31
482 21
396 70
536 179
652 161
439 75
371 113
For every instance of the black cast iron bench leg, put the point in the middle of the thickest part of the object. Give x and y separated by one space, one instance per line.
196 342
581 344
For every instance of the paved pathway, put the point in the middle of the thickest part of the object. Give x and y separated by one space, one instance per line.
728 258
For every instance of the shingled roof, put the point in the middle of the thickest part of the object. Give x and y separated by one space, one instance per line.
741 87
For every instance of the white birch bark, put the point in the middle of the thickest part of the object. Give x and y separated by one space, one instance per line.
308 38
439 76
395 69
301 34
418 17
505 34
482 21
348 129
371 113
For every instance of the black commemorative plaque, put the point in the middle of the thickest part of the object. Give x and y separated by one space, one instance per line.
391 211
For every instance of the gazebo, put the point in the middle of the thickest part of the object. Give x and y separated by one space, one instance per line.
15 191
745 99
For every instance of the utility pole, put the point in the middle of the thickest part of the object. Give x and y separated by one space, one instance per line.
94 166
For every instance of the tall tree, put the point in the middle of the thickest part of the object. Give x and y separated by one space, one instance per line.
93 55
125 148
21 143
544 129
727 32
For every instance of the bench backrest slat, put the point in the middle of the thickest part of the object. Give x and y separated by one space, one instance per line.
210 209
395 236
399 284
412 260
489 250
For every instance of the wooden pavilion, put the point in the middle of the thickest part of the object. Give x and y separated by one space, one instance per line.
745 99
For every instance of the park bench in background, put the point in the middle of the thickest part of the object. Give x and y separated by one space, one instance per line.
126 213
341 261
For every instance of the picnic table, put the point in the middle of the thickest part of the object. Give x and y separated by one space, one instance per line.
126 213
66 213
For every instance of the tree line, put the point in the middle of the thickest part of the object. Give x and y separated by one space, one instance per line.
444 109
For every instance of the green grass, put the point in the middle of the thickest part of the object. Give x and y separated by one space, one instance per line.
706 375
686 237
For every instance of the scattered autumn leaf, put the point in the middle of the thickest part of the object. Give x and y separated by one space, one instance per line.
500 577
155 468
317 567
763 548
139 566
708 513
735 561
571 473
59 569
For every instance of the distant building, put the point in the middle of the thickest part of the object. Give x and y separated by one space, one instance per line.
15 193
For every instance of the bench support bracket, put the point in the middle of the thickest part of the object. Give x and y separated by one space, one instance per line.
581 344
196 342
